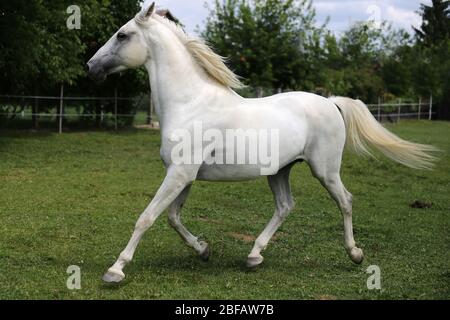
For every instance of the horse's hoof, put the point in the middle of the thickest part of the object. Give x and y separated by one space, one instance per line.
204 255
356 254
253 262
113 276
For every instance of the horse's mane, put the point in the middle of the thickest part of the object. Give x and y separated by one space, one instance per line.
211 62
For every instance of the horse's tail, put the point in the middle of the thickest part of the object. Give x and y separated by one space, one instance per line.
363 131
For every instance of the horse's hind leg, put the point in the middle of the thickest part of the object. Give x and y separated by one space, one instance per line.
284 204
200 247
325 167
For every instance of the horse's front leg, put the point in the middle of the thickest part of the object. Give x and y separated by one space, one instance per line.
174 183
201 247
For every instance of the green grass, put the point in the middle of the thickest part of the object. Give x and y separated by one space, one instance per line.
73 199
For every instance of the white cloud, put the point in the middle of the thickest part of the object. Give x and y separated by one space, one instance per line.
401 13
342 13
403 18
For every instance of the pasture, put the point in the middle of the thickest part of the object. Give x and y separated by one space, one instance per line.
73 199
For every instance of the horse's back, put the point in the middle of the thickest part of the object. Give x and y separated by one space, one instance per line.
315 121
315 112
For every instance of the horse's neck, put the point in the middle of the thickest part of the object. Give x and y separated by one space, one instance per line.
176 80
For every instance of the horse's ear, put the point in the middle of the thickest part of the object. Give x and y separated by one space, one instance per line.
147 13
150 10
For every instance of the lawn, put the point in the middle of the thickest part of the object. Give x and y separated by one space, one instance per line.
73 199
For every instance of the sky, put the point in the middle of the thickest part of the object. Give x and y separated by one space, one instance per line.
402 13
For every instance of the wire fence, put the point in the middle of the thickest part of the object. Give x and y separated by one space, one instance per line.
395 111
383 111
66 112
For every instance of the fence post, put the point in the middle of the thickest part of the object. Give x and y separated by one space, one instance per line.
34 116
61 108
35 109
150 110
431 107
420 107
259 92
115 108
379 109
399 109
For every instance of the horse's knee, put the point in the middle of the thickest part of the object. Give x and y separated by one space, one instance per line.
288 203
173 220
284 203
331 180
144 223
347 205
347 209
349 197
283 208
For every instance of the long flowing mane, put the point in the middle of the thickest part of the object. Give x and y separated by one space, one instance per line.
211 62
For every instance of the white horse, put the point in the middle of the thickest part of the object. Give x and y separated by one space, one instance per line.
190 83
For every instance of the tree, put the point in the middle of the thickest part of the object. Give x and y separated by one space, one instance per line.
433 44
35 47
353 65
397 73
435 27
38 52
361 61
267 42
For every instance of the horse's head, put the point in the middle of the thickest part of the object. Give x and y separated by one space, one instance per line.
126 49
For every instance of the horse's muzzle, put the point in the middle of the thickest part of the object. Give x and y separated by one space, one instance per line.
95 71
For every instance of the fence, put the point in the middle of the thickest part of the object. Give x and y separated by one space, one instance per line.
401 109
391 111
60 109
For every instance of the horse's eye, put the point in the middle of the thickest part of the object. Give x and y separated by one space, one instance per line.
121 36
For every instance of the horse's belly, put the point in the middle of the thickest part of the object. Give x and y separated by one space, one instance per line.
228 172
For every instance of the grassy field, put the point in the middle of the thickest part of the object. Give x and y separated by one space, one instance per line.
73 199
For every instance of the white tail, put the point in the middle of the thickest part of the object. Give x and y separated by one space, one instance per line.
363 130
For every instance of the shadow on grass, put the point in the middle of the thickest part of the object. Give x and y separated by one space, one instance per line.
23 134
215 267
